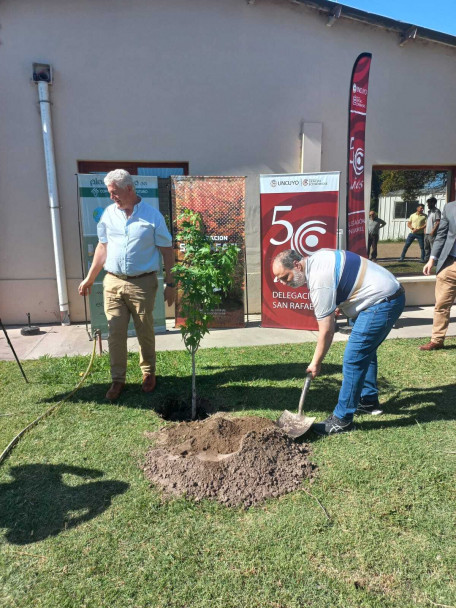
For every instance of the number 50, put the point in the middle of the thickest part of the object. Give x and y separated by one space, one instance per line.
287 225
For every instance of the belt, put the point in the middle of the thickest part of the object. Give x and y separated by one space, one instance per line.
395 295
453 257
126 277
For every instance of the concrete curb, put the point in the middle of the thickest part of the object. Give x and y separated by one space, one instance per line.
58 340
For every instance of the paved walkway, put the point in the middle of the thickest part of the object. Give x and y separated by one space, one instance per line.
57 340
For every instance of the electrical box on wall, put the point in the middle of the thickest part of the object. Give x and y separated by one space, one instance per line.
42 72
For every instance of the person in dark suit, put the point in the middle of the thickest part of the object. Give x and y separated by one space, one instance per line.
443 253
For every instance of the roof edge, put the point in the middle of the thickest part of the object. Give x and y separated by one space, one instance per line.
406 30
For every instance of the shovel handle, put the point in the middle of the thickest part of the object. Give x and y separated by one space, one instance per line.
305 390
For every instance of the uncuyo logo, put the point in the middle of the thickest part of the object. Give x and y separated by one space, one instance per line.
273 183
360 90
306 238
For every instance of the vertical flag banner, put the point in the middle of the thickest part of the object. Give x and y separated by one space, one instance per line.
298 212
356 215
221 203
93 199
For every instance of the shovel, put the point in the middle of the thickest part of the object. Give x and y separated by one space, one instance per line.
295 425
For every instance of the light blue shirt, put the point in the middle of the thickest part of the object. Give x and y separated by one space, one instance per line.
132 243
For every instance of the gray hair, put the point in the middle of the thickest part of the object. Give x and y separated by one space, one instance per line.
121 178
287 258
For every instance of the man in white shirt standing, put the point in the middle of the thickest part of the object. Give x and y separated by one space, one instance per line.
131 237
365 292
432 224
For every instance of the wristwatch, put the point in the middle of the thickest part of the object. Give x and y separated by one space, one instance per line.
169 284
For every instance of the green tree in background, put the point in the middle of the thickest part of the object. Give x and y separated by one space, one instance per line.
410 182
376 189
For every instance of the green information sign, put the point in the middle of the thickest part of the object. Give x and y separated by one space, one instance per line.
93 199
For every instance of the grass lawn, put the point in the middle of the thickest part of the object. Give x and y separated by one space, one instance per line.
82 528
407 267
388 257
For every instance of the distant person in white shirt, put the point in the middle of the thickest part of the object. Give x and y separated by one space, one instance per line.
365 292
432 224
131 237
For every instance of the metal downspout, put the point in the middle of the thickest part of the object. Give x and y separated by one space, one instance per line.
54 206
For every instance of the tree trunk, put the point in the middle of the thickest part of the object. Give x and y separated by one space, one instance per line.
193 386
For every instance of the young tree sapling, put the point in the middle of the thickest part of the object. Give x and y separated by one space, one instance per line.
203 275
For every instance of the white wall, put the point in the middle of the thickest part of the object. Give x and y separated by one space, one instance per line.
221 84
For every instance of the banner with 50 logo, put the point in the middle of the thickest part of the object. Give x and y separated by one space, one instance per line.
298 212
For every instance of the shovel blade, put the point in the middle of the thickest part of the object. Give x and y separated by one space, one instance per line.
294 425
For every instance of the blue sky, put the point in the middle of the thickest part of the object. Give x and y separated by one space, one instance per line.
439 15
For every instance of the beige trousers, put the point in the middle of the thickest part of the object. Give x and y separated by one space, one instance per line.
134 297
445 293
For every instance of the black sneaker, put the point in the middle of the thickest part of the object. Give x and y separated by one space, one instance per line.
373 408
332 425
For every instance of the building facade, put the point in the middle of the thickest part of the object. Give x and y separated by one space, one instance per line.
223 87
396 212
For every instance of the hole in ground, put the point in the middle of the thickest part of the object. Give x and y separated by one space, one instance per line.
180 410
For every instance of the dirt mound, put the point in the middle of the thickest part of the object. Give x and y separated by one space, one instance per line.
236 461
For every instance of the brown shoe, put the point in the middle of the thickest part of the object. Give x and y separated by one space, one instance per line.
149 383
115 390
431 346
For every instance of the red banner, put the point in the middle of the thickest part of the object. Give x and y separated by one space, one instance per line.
297 212
356 215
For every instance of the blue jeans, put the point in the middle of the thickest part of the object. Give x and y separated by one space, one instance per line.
359 367
410 238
